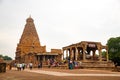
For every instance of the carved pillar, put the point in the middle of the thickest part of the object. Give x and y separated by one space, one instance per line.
107 54
76 54
93 54
38 58
84 58
78 57
63 54
84 49
71 53
43 57
66 53
100 53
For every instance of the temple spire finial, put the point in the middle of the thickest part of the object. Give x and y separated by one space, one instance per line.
30 16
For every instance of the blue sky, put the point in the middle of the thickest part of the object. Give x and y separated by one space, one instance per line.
58 22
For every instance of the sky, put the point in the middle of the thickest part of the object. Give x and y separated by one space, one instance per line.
59 23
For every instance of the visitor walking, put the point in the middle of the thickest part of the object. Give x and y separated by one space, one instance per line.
70 64
40 64
48 62
23 66
30 66
20 66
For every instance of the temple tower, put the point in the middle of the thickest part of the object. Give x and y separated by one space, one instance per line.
29 42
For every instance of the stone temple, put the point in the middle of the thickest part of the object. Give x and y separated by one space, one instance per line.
29 48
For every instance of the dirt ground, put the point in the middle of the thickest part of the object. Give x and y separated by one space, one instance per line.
24 75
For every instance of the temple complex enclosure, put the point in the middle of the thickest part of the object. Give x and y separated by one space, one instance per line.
29 50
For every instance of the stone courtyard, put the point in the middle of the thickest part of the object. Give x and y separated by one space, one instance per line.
59 74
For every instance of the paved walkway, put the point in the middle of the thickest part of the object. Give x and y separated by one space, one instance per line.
57 73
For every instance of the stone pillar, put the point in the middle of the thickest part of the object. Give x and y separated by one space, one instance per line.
84 49
76 54
38 58
84 55
107 54
71 53
63 54
66 53
79 54
93 54
100 55
44 58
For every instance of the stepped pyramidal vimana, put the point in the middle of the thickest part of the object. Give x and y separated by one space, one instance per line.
29 49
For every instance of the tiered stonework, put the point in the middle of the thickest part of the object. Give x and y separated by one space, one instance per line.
29 47
82 51
86 52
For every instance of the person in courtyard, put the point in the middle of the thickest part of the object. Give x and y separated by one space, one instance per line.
75 64
23 66
70 64
48 62
40 64
18 66
30 66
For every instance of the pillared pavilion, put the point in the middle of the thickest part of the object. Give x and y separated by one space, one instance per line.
86 51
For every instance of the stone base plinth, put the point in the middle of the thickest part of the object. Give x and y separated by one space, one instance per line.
98 65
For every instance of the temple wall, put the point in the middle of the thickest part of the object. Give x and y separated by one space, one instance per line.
59 51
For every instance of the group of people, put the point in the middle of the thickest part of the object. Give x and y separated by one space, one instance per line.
74 64
52 62
22 66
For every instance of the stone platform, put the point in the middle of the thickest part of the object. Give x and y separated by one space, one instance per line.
98 65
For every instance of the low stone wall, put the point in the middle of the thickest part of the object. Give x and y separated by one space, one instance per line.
117 69
56 67
87 65
2 67
99 65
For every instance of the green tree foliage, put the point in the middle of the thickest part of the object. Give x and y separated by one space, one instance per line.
1 56
114 49
5 57
104 54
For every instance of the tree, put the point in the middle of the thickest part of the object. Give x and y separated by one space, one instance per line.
5 57
104 54
1 56
114 50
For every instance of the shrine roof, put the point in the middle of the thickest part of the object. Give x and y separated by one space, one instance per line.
47 53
